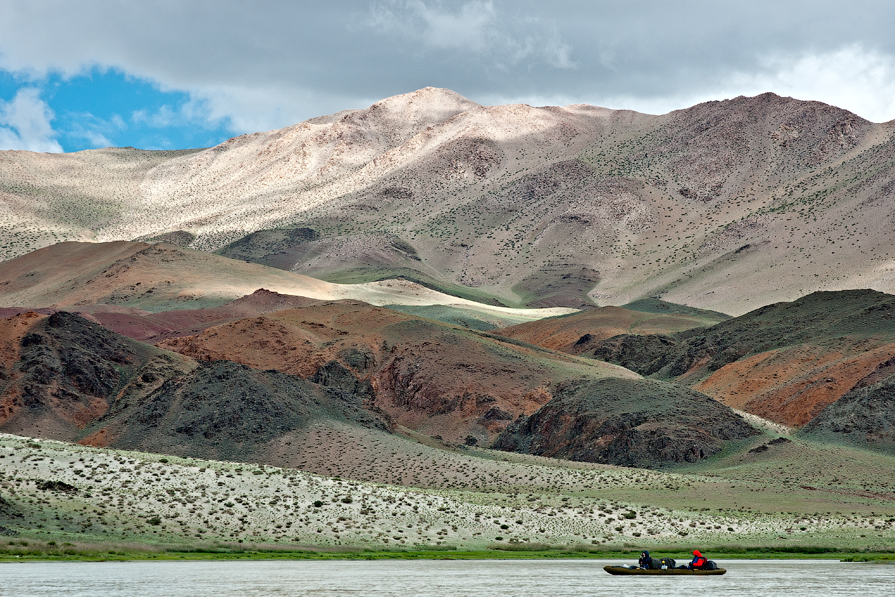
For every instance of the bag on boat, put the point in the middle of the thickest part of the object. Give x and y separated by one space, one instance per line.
655 564
666 563
710 565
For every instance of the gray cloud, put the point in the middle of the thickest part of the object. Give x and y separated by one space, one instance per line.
265 64
475 27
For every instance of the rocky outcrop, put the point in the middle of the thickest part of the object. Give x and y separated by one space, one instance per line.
646 354
70 370
643 423
224 410
863 417
785 362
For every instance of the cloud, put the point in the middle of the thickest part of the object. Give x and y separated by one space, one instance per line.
97 132
25 123
251 66
475 27
853 77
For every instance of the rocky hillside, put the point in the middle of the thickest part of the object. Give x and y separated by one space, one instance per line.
228 411
577 332
786 362
727 205
434 378
62 372
865 417
288 386
64 377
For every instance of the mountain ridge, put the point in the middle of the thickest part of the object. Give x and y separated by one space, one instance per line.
702 206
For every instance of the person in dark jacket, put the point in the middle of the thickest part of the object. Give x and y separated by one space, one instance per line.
645 560
698 560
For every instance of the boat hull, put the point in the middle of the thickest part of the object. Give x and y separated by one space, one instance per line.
622 571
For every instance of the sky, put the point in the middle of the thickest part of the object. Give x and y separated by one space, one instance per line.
174 74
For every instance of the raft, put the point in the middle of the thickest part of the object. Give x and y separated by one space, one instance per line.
621 570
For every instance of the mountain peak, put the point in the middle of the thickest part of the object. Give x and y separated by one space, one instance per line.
427 106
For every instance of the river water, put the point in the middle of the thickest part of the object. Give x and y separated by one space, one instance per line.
433 578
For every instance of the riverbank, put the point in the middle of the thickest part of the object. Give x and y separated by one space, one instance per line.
25 551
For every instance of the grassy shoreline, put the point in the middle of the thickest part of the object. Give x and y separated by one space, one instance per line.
37 552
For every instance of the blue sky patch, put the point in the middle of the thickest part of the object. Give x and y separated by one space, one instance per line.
107 108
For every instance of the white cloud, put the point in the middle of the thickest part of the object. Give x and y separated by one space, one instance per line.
250 109
96 131
164 117
854 78
251 67
25 123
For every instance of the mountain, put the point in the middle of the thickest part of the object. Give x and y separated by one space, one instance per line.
62 372
726 206
259 389
228 411
64 377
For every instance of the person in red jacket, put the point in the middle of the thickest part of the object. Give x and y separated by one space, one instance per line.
698 560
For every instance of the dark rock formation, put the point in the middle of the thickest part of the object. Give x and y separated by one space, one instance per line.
228 411
810 319
631 422
863 417
644 354
68 373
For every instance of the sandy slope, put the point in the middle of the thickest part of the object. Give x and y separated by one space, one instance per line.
474 502
574 333
161 277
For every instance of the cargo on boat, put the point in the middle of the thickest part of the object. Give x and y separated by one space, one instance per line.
624 570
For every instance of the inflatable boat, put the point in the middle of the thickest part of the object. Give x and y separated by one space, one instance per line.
623 570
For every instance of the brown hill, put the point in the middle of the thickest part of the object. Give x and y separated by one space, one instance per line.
146 326
60 372
430 377
865 416
785 362
155 327
229 412
65 377
726 205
